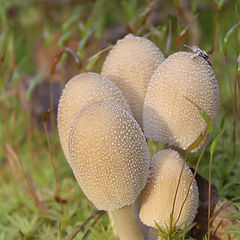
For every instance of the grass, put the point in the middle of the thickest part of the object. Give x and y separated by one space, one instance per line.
31 205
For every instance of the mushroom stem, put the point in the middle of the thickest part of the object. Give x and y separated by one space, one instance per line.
145 230
125 224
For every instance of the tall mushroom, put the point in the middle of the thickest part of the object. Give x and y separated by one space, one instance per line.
110 160
130 64
81 90
181 83
159 193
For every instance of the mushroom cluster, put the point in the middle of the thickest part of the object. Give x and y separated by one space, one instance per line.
103 123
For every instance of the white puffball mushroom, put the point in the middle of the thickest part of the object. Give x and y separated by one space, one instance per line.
182 82
110 160
158 195
81 90
130 64
109 155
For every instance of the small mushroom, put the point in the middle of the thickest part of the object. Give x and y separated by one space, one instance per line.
130 64
80 91
110 160
170 113
158 195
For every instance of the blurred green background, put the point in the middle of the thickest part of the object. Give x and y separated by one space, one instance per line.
42 45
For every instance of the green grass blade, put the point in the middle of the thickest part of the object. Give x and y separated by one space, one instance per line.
215 141
34 83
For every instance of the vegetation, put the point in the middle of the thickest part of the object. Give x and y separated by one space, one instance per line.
44 43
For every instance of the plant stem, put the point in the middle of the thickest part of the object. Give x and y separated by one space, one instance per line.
209 195
193 177
195 144
175 196
57 183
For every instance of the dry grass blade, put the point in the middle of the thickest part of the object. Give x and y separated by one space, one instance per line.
31 188
181 34
74 234
92 225
222 219
169 37
58 57
74 55
55 61
188 16
141 20
184 31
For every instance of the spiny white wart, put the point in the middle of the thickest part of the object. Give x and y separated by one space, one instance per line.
80 91
181 83
109 155
130 64
158 195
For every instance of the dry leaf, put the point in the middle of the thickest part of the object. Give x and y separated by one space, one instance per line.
222 217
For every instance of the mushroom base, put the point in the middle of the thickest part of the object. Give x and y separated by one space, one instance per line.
124 224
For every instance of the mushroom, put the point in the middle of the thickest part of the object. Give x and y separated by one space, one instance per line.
181 84
80 91
130 64
159 193
110 160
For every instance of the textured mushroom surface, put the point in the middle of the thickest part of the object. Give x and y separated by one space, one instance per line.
130 64
109 155
180 84
158 195
80 91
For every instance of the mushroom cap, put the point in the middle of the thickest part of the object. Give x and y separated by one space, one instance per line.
130 64
158 195
169 116
109 155
80 91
